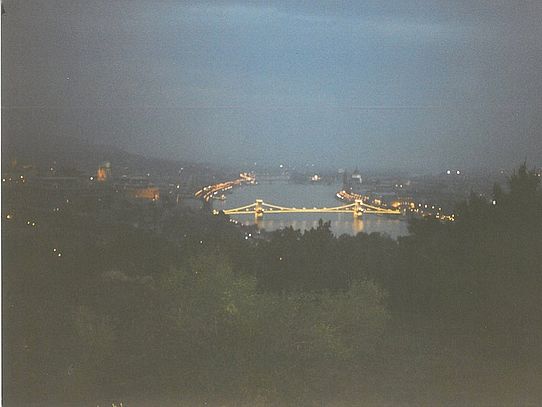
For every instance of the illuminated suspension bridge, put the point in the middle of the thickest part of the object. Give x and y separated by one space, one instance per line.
357 208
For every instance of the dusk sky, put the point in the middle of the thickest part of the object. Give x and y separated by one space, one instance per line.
408 84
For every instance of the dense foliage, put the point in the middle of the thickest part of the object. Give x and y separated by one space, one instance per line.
192 311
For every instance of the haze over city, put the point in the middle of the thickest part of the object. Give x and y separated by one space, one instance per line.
421 85
271 203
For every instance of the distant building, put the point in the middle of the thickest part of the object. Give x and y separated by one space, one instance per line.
148 193
139 188
104 172
356 177
346 182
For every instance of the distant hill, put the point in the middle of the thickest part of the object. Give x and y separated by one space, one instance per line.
70 152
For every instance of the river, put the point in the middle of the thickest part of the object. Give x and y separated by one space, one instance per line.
307 195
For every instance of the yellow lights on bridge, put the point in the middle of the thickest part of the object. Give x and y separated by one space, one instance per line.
358 208
419 208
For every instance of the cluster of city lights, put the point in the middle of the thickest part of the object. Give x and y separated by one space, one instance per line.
427 210
29 222
210 191
21 179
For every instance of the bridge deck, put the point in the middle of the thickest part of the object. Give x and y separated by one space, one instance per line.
248 212
357 208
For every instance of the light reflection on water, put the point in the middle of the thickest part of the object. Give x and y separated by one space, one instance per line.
319 195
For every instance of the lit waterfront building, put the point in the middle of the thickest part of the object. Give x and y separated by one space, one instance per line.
104 172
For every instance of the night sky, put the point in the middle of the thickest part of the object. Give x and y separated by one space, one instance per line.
408 84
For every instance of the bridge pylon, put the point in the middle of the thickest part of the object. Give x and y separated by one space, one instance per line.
358 209
258 209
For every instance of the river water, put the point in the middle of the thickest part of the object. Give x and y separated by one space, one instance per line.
307 195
